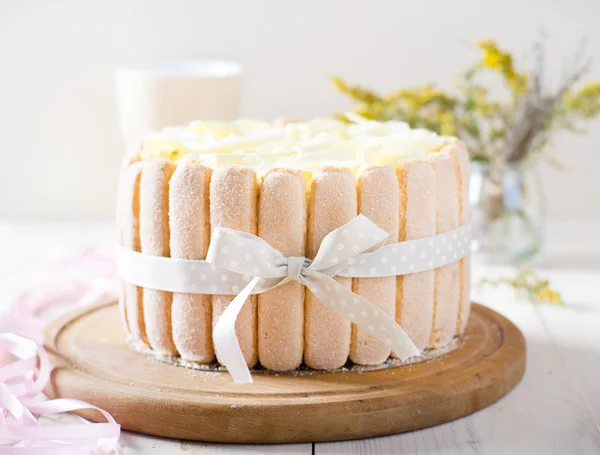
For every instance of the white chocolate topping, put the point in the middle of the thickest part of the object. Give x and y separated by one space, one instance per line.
302 145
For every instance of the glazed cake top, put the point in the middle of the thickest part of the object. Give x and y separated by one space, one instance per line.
298 145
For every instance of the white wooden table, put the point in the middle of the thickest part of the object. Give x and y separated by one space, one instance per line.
555 410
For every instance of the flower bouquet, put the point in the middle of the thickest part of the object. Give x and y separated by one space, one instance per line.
506 136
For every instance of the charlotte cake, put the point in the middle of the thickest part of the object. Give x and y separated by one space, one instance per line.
291 185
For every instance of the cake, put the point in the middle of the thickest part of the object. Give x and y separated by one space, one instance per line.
291 184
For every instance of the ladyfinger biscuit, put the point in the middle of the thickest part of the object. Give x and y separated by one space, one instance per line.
154 236
378 200
461 161
332 203
414 306
282 223
233 193
190 234
129 227
120 202
447 284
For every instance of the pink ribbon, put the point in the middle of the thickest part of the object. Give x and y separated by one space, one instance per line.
87 277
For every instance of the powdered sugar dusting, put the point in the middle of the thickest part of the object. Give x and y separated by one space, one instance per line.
379 200
447 280
416 291
189 237
282 223
154 236
215 369
233 198
332 204
129 224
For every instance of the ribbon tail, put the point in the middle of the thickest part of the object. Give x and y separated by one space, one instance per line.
226 341
363 313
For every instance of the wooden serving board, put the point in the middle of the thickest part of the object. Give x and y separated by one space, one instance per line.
93 363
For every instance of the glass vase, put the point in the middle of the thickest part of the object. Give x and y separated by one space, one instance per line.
507 213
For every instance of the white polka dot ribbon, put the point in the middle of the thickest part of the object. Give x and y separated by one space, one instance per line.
243 264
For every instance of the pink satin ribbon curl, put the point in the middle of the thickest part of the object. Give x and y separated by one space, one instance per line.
86 277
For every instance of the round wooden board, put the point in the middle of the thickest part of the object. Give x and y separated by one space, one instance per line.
93 363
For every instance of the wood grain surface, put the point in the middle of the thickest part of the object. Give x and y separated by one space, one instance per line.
152 397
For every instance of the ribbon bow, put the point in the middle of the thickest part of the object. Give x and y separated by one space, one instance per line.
249 255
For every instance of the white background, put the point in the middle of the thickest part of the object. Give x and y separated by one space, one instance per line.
60 149
59 140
